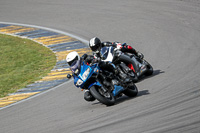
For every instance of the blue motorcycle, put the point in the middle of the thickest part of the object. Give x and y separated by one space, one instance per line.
102 84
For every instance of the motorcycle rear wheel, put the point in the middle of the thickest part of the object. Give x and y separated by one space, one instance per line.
132 91
107 99
149 72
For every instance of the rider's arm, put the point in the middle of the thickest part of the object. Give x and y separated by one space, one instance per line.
129 49
123 47
90 59
108 44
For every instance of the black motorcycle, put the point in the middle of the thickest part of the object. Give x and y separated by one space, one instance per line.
131 65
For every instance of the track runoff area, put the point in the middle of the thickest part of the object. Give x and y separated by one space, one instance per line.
59 42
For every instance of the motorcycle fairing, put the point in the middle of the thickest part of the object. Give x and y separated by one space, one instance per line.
93 84
107 53
93 69
131 67
117 90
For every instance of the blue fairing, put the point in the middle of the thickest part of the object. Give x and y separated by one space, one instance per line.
80 80
95 83
81 70
75 79
117 90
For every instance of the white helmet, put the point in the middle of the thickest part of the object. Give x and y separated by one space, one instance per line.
71 57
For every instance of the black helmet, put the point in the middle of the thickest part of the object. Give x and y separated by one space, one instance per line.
95 44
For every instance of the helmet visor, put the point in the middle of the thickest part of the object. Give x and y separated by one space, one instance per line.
94 49
75 67
70 62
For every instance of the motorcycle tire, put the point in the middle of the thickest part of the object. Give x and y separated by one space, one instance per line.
131 91
149 72
96 92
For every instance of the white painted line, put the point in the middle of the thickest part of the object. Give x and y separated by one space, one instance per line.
45 28
41 93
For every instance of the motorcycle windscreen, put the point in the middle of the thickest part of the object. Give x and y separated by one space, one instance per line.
106 53
75 67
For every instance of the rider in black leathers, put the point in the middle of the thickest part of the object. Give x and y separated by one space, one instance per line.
95 44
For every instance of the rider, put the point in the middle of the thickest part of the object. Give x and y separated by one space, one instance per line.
73 59
95 44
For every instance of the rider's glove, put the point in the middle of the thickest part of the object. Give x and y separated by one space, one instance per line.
118 45
124 44
140 55
96 60
84 56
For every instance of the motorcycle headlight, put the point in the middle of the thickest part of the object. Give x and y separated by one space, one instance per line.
79 82
85 74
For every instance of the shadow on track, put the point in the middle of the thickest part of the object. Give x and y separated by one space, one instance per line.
155 73
126 98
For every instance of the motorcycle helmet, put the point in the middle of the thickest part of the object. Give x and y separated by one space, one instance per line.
95 44
71 57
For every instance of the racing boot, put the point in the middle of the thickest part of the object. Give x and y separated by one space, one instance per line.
88 96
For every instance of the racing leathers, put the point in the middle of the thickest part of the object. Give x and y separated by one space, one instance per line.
125 49
90 59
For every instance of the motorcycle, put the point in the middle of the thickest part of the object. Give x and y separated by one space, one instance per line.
139 67
100 83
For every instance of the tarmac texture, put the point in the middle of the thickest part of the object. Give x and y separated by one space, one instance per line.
167 32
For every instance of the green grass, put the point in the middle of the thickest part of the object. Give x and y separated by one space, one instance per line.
22 62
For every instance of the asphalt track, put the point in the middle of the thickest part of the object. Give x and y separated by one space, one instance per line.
166 31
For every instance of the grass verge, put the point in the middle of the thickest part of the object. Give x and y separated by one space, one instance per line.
22 61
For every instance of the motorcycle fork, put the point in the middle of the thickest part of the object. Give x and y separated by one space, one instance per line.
103 87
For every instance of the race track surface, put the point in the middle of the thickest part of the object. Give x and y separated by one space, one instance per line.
167 32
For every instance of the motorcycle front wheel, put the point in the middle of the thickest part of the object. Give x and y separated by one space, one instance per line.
105 98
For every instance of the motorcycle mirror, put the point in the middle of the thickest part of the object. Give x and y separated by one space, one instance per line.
69 76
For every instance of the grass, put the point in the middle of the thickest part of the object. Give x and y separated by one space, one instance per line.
22 62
